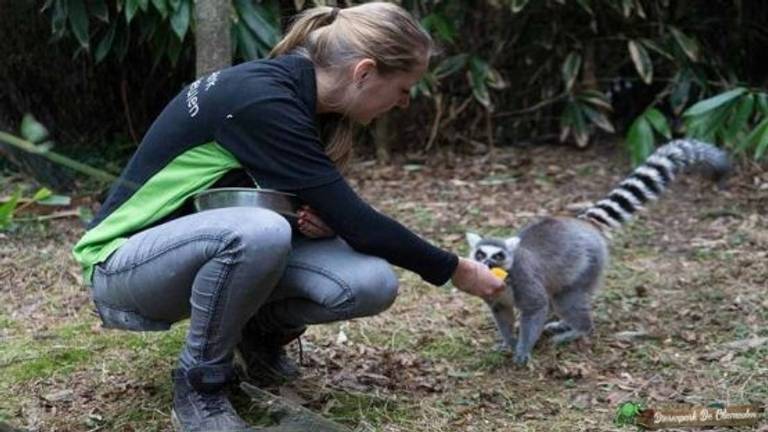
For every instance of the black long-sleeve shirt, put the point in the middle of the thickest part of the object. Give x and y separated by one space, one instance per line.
258 117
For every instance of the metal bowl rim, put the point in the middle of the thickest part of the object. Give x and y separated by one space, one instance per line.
244 189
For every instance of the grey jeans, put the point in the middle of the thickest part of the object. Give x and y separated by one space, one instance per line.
221 267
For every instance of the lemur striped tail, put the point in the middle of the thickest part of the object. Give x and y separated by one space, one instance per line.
649 180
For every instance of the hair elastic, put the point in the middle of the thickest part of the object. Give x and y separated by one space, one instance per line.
334 13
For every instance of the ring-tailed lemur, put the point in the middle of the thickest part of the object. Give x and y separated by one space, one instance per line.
561 259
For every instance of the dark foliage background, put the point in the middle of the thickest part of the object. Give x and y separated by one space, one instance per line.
509 72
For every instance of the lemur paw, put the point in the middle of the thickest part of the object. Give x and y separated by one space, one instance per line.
503 346
521 359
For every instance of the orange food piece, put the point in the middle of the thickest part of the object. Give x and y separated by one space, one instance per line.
499 272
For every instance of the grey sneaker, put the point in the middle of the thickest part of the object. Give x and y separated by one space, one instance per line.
263 359
200 403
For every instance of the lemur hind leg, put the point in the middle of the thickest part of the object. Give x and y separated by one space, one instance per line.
574 307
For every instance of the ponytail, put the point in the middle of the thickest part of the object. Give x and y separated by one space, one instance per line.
306 22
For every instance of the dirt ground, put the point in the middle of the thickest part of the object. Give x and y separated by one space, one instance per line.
682 316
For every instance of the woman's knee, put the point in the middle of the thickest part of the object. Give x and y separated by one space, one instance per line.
375 289
258 231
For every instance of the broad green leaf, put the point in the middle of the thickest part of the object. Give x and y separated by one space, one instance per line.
754 137
161 6
144 5
762 144
739 118
570 69
595 98
585 5
32 130
78 21
180 20
714 102
707 125
642 61
173 49
656 47
245 41
41 194
659 122
99 9
639 9
175 4
256 22
160 45
518 5
580 132
437 23
626 7
566 116
131 7
7 209
450 65
598 119
478 72
686 43
233 36
59 18
494 79
762 103
102 49
640 140
122 40
566 121
681 89
56 200
148 26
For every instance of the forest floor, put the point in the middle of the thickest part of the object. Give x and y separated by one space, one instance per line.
682 316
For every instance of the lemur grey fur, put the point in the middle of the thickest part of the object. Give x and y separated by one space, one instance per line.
560 260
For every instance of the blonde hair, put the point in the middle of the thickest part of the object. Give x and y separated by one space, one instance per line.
335 38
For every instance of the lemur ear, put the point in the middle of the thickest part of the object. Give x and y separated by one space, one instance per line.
473 239
512 242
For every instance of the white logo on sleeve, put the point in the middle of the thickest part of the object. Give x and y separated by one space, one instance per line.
193 104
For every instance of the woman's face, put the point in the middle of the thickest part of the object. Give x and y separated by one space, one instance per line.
373 94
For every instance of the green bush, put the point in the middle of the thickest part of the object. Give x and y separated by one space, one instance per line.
515 70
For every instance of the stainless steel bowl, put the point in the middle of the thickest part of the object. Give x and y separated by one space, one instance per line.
286 204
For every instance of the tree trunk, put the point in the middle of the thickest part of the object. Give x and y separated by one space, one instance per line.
212 35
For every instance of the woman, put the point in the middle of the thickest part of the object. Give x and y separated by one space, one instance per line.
151 262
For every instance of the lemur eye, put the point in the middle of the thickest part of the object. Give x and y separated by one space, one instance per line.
498 256
480 255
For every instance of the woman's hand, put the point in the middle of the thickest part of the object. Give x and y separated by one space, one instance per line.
311 225
476 279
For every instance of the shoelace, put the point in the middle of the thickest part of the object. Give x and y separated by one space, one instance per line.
213 403
301 352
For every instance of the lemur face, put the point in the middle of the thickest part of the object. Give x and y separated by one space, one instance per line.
492 252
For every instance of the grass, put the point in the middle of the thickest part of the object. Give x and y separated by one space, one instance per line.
692 279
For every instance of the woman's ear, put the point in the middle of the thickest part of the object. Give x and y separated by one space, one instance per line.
362 71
